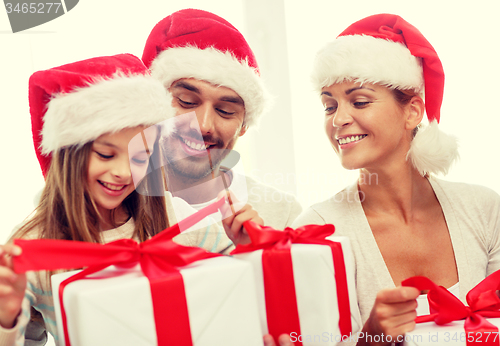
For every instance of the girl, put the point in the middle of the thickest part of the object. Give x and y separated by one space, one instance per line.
93 137
402 221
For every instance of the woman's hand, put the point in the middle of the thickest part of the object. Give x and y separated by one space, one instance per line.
12 286
392 315
284 340
233 218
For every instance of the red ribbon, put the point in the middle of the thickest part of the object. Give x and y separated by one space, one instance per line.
483 302
279 287
159 257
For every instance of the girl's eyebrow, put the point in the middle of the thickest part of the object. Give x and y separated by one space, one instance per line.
109 144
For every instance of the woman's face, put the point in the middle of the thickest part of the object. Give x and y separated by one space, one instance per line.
365 125
116 161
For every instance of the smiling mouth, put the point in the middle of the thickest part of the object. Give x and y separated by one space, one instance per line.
195 145
112 187
350 139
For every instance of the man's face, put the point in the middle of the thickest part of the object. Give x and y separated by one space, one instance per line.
199 144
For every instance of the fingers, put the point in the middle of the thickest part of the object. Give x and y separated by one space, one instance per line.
398 295
394 312
284 340
6 254
232 205
7 274
268 340
10 249
233 225
247 213
12 286
234 215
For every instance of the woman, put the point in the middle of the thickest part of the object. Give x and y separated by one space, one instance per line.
402 221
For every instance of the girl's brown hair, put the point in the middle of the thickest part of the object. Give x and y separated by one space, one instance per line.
67 211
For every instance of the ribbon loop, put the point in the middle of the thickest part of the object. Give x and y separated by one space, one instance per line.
445 307
265 237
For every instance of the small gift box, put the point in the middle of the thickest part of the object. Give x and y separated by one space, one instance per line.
305 283
153 293
451 322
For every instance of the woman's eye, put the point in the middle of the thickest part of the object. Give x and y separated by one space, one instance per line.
361 103
106 157
330 110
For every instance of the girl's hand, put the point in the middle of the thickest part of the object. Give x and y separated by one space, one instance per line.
233 218
12 286
392 315
284 340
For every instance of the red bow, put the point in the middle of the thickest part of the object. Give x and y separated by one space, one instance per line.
159 257
483 302
281 301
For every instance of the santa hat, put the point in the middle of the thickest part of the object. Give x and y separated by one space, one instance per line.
76 103
197 44
387 50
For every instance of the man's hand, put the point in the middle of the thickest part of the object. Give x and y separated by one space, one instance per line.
233 217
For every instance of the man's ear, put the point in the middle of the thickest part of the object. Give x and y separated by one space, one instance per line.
415 112
243 130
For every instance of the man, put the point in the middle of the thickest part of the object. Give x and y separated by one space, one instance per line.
209 68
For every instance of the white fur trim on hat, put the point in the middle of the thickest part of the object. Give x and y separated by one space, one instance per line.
367 59
218 68
105 106
432 150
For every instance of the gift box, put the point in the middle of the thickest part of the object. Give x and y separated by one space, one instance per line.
153 293
114 306
304 281
451 322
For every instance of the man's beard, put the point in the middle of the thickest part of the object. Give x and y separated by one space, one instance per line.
192 167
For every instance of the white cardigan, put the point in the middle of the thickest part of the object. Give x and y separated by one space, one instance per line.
472 214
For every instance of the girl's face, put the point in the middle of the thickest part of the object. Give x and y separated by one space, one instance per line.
365 125
116 159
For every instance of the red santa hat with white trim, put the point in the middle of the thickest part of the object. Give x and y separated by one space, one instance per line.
385 49
193 43
76 103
